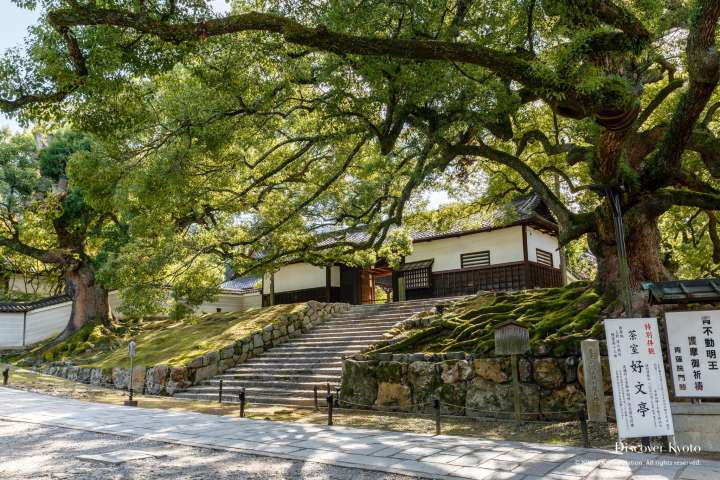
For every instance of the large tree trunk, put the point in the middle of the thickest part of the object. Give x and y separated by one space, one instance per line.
642 241
90 299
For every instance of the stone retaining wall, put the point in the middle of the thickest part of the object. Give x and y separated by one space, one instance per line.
464 383
166 380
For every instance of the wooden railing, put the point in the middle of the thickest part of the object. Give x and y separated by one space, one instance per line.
541 276
507 276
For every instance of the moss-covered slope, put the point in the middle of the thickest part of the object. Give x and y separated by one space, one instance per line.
557 318
160 341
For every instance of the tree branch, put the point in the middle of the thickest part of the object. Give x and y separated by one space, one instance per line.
508 65
563 215
704 71
46 256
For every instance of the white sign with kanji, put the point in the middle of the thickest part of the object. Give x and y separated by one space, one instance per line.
642 406
694 348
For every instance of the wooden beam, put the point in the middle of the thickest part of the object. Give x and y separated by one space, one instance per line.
526 269
328 283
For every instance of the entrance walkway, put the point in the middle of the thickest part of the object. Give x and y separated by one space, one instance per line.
410 454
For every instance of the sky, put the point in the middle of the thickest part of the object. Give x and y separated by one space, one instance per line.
14 22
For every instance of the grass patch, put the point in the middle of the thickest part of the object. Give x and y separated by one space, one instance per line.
558 318
171 342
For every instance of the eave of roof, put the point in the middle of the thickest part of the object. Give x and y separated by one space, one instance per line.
535 220
20 307
685 291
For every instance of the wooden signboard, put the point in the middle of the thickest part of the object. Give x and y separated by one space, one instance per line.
513 339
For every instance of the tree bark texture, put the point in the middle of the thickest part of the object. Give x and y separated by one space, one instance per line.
90 299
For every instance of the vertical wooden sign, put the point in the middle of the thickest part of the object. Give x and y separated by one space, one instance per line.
513 339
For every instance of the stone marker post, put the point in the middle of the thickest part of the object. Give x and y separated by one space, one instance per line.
131 353
594 385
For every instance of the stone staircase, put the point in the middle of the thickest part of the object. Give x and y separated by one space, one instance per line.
287 374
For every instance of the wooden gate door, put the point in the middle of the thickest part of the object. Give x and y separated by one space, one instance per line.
367 287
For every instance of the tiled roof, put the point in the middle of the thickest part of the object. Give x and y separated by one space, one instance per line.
241 285
19 307
524 208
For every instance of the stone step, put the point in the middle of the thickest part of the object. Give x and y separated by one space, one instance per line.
309 356
260 391
297 363
360 329
255 399
299 369
329 342
314 347
369 338
288 373
365 321
232 385
377 316
279 377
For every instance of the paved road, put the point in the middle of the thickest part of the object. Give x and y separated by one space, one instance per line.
446 457
32 451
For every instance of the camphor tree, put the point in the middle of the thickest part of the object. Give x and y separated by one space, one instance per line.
284 118
46 219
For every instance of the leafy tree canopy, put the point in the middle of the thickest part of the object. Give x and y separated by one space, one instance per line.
284 127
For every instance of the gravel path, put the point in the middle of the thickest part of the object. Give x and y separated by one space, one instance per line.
34 452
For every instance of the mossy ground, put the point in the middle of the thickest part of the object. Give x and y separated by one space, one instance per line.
158 341
556 317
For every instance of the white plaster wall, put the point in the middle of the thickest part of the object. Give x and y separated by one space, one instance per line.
45 323
543 241
11 330
505 245
299 276
231 303
21 283
227 302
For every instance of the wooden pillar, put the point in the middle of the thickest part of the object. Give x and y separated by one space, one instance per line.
328 284
271 297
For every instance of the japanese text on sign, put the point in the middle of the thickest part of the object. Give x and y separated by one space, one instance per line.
694 344
642 407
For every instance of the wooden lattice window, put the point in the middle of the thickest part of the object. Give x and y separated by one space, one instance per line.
475 259
417 274
543 257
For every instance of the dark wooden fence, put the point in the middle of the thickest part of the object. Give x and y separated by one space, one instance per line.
298 296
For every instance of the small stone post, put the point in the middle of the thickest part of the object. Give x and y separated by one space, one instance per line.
6 375
594 385
131 353
436 408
